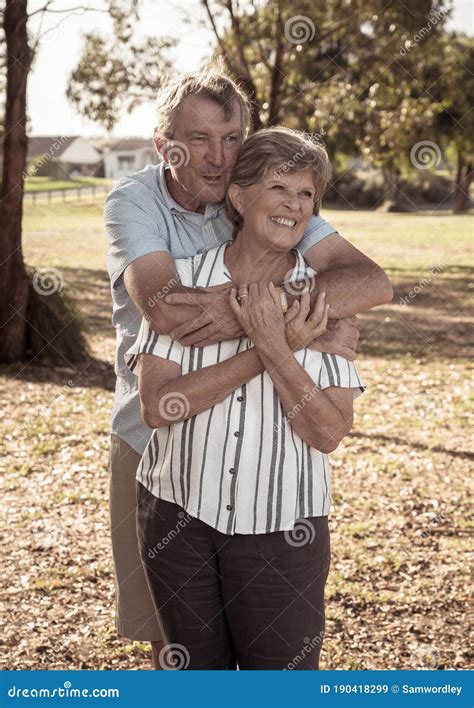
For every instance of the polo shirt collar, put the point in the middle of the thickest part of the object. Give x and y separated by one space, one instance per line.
210 212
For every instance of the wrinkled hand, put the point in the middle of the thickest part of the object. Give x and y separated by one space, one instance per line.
300 329
341 338
215 322
258 309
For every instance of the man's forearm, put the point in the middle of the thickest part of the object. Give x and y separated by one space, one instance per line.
164 317
350 290
205 387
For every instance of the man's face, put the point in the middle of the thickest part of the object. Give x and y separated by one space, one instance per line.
212 143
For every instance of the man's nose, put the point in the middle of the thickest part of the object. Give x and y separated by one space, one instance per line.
215 154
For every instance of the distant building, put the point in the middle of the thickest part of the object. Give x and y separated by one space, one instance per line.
62 156
126 156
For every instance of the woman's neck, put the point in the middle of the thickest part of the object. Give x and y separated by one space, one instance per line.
248 261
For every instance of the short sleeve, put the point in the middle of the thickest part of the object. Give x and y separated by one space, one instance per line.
149 342
134 227
317 229
337 371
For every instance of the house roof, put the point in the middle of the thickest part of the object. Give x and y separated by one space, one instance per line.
127 144
49 144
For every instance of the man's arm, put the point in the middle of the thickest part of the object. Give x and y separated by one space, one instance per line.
352 281
152 277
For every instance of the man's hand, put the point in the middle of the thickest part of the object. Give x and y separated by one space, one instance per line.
300 329
341 338
215 323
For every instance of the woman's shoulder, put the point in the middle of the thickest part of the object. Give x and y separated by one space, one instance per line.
301 271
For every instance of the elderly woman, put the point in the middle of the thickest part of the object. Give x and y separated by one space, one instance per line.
234 486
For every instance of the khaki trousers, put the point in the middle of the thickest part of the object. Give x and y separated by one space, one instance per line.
135 614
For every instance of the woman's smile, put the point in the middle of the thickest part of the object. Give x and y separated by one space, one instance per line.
283 221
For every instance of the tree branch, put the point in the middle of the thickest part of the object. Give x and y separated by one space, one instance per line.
213 24
70 10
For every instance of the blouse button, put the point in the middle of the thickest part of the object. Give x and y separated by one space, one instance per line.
229 508
237 434
232 470
240 399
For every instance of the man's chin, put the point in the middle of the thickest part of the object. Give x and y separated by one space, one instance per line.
213 194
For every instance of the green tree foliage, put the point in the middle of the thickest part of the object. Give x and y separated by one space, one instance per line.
354 76
449 73
117 74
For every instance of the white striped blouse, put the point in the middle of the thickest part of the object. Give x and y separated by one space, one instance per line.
239 466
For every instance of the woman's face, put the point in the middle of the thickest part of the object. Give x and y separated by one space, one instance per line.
276 210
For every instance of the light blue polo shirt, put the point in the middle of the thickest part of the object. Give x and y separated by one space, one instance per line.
142 217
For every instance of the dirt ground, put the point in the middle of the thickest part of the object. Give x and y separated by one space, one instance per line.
398 588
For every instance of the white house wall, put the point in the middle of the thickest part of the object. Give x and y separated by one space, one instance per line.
141 158
80 152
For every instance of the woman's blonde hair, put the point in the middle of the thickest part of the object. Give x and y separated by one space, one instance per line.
284 150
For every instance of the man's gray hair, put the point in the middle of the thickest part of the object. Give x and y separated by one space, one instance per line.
213 83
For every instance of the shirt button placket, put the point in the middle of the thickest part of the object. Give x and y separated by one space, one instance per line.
237 434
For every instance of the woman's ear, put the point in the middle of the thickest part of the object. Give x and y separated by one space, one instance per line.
234 193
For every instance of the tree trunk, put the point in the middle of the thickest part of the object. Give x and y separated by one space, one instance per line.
277 74
394 199
461 200
248 86
13 276
276 81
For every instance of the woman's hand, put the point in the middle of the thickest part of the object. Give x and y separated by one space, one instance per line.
258 309
300 329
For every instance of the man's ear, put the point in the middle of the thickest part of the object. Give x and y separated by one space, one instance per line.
159 141
235 195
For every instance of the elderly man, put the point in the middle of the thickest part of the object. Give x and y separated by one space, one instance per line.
175 210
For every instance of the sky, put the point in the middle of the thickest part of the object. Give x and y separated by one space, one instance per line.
49 110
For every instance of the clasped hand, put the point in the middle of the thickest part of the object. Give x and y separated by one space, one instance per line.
258 309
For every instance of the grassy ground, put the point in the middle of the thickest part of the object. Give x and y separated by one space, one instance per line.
40 184
397 591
